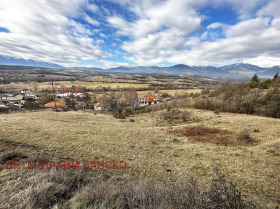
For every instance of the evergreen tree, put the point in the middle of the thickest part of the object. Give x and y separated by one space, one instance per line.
255 81
276 76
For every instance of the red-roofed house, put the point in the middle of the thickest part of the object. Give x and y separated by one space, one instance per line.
148 100
64 93
53 104
101 106
78 93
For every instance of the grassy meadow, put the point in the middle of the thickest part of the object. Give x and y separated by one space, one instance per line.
150 149
69 84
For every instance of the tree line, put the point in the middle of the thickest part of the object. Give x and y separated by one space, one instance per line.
255 97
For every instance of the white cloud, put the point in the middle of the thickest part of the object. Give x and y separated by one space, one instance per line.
245 9
159 28
102 35
154 16
238 47
157 37
263 61
93 8
45 31
156 31
217 25
252 26
273 9
92 21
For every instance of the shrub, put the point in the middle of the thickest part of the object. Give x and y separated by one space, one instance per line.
245 136
176 116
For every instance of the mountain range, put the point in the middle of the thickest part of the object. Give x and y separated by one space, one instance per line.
237 71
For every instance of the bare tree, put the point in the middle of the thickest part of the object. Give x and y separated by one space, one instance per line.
132 96
240 92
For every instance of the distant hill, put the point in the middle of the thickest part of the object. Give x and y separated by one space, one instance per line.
236 71
13 61
239 71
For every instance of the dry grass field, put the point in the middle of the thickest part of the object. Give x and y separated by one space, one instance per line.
69 84
175 92
149 147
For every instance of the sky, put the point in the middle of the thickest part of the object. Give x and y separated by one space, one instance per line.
112 33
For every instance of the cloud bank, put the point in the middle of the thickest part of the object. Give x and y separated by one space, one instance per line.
111 33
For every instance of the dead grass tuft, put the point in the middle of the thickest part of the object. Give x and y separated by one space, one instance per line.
80 189
11 156
213 135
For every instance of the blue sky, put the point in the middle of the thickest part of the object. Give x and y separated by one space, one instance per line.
112 33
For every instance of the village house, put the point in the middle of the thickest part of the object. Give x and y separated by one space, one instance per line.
30 95
3 96
24 91
149 100
68 93
78 93
17 98
85 105
11 101
101 106
55 104
3 105
64 93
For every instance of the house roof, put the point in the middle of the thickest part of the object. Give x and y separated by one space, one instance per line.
65 91
77 91
52 104
150 98
4 94
99 104
15 98
2 103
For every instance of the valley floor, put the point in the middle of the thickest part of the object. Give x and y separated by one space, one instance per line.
150 150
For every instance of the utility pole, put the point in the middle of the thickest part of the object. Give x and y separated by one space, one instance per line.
54 98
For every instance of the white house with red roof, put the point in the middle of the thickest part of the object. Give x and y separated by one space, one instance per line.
101 106
78 93
68 93
64 93
149 100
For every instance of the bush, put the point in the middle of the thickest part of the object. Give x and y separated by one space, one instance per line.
245 136
176 116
